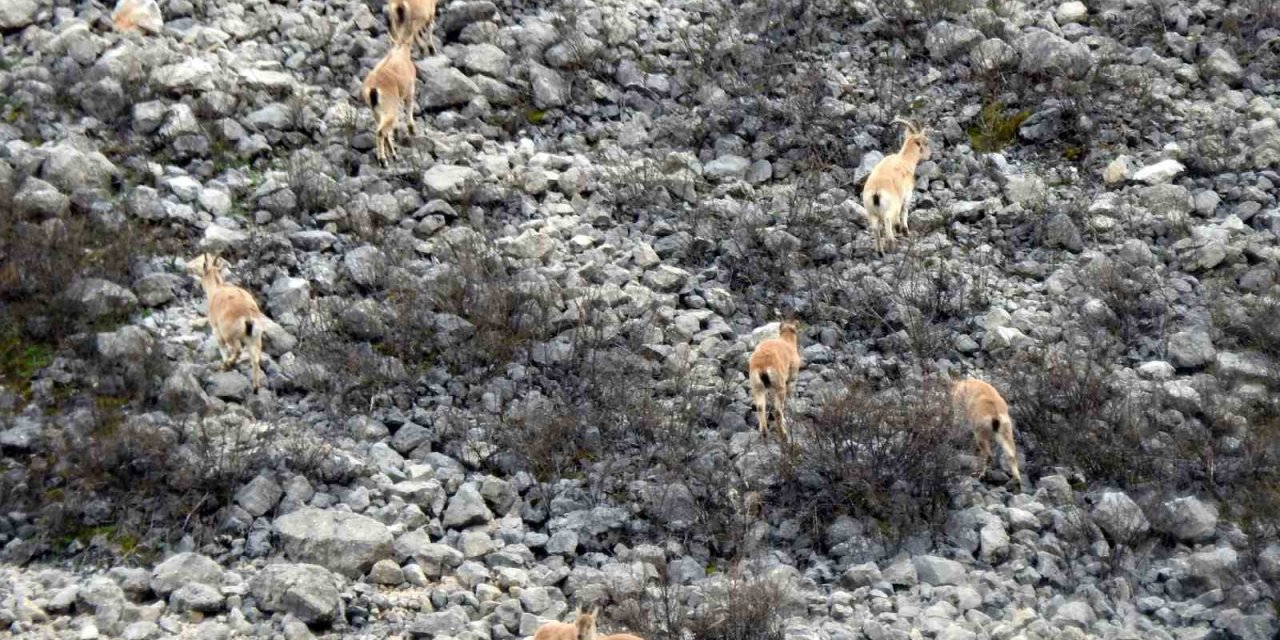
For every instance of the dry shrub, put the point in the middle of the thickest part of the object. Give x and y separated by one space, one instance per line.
889 455
1066 412
741 606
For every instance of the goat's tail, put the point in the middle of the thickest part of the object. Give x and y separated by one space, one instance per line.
764 378
875 199
373 97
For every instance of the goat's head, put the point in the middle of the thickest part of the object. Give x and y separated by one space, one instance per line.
916 136
586 623
788 329
207 265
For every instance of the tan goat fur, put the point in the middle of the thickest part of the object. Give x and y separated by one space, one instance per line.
620 636
412 21
234 315
887 194
387 88
583 628
987 414
772 370
137 15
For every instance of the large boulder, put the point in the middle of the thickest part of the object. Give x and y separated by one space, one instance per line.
345 543
466 508
183 569
306 591
1119 517
1188 519
938 571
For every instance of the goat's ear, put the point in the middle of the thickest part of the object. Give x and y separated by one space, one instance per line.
595 610
220 263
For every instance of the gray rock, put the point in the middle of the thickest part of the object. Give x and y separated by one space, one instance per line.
128 344
938 571
1188 519
182 569
345 543
23 435
550 91
1269 562
529 245
1076 613
1191 349
306 591
563 543
487 59
313 239
366 266
39 199
157 289
1223 66
993 54
196 597
218 239
229 385
141 630
449 182
259 496
1047 53
449 622
456 16
860 575
1060 232
1161 172
727 167
1265 136
1070 13
192 74
69 168
466 508
946 40
182 393
1117 515
443 87
386 572
1216 568
16 14
99 298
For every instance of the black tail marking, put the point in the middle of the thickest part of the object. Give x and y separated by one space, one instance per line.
875 199
995 424
373 97
764 379
248 326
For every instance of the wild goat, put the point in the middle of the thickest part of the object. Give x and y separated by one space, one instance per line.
137 15
412 20
389 86
234 315
987 414
773 369
887 194
583 628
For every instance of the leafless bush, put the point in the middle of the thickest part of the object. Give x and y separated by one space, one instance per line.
740 607
888 455
1061 399
311 179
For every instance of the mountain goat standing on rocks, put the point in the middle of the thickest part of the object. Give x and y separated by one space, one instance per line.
389 86
234 315
887 194
412 21
773 369
987 414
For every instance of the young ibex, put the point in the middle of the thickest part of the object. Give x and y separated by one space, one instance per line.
412 21
583 628
137 15
773 369
234 315
388 87
987 414
887 194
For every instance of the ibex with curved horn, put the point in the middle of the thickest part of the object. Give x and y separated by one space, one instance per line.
887 194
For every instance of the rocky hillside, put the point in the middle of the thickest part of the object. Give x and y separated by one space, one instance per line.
506 374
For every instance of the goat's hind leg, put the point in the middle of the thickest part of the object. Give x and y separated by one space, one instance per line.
761 405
